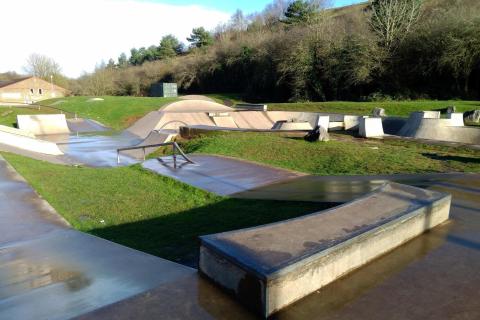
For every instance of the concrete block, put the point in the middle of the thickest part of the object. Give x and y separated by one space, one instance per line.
336 126
351 122
270 267
430 114
456 119
323 121
371 127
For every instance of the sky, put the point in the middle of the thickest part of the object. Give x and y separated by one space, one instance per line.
78 34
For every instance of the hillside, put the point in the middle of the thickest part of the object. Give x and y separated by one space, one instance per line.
302 54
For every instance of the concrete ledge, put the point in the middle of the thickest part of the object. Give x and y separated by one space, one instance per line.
269 267
251 107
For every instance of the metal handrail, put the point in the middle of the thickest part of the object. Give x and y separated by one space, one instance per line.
174 145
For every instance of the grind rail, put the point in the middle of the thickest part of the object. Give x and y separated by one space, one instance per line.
175 148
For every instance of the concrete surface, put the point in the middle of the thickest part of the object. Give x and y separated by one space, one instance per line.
432 277
49 271
370 127
43 124
85 125
271 266
404 284
221 175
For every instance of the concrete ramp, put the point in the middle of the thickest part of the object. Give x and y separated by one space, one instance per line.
426 125
270 267
25 140
43 124
252 120
173 121
155 137
195 106
145 125
224 121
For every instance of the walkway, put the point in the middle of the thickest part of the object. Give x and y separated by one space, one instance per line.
221 175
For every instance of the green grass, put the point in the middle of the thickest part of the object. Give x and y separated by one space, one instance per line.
340 157
8 115
115 112
392 108
221 97
145 211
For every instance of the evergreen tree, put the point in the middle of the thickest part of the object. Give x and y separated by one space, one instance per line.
200 38
299 11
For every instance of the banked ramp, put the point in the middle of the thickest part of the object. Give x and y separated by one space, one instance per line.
25 140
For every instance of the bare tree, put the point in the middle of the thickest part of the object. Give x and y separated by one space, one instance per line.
42 66
392 20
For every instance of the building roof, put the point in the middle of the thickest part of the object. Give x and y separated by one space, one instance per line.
4 83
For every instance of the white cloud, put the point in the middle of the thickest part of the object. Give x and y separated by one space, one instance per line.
80 33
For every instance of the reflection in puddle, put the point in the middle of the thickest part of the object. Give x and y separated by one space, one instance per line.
19 276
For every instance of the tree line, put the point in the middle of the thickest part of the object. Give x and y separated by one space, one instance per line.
302 51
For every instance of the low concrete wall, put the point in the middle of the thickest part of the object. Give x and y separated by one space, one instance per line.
269 267
43 124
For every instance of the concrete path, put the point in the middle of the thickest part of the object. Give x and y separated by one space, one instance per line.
50 271
221 175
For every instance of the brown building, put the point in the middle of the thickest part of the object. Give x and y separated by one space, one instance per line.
29 90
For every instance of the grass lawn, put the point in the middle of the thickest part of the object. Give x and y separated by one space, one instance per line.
345 156
8 115
115 112
145 211
392 108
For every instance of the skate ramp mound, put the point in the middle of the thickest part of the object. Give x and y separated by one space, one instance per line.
196 97
195 106
155 137
429 126
25 140
43 124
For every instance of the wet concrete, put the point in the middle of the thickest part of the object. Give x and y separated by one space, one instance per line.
221 175
434 276
50 271
95 150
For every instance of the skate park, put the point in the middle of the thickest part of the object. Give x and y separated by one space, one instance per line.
256 271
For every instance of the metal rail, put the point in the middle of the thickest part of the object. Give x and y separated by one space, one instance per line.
37 106
175 148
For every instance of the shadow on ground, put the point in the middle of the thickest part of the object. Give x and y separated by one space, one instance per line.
462 159
175 236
